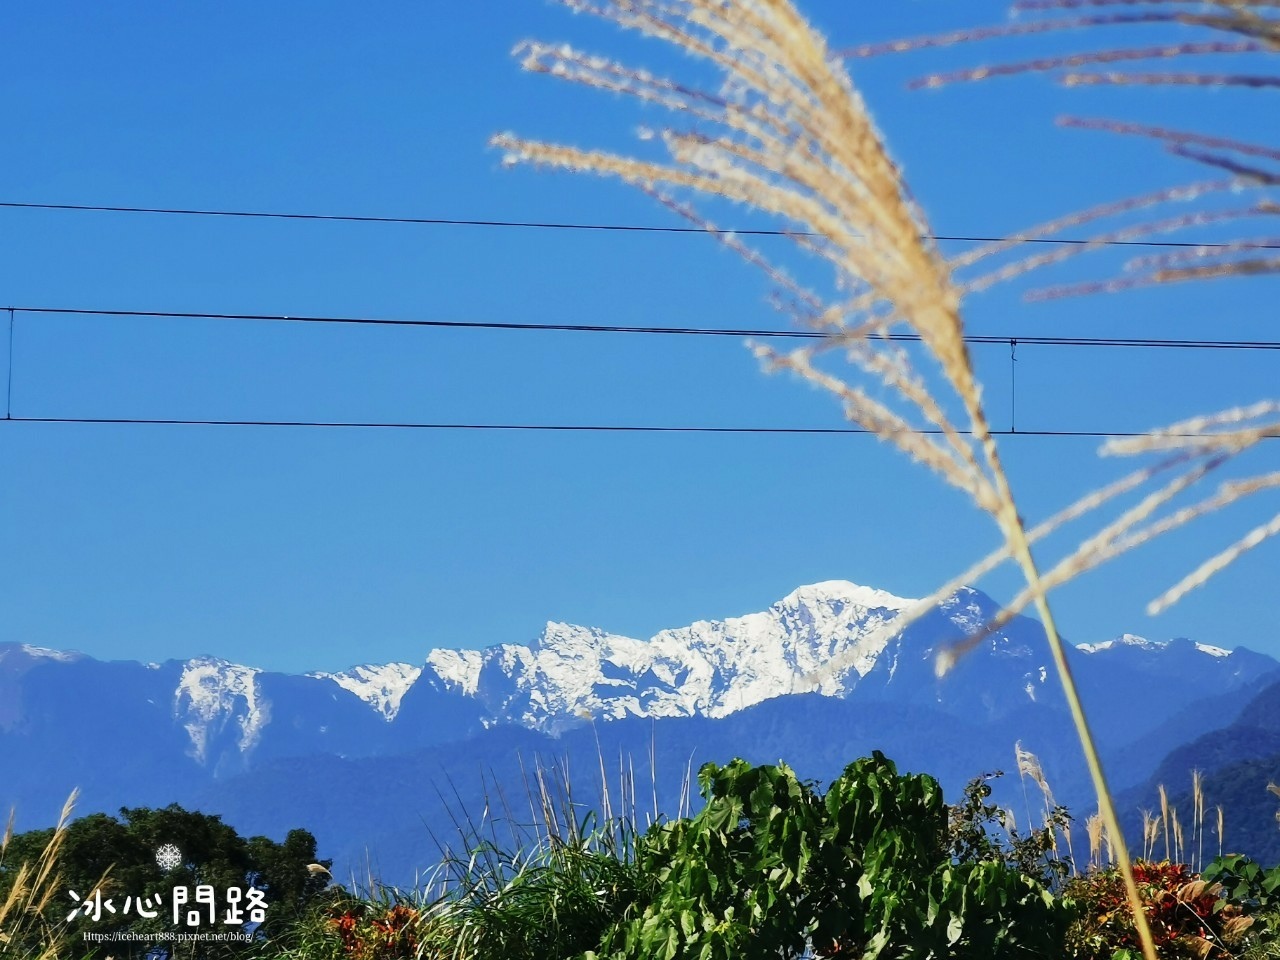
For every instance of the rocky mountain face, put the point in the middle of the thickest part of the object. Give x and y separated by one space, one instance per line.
132 733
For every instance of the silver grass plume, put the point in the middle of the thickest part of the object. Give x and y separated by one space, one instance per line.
787 134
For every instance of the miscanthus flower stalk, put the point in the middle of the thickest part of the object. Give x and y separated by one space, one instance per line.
1236 38
786 133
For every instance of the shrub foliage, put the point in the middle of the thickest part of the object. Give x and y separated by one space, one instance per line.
771 868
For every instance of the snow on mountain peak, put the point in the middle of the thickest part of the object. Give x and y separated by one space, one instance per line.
460 668
382 686
710 668
1132 641
845 591
207 695
44 653
566 671
830 637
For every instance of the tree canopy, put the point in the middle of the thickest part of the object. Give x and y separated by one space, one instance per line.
148 864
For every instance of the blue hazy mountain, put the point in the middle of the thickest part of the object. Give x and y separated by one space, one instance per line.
366 757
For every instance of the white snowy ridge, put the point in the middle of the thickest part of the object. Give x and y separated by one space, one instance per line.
44 653
825 637
843 591
1142 643
381 686
460 668
709 668
207 696
1124 640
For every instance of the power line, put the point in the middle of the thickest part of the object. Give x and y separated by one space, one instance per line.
552 224
549 428
653 330
8 390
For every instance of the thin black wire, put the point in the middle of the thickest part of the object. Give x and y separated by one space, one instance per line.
558 427
554 225
8 393
656 330
1013 385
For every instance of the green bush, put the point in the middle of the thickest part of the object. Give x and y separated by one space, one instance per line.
981 831
117 858
1255 892
771 869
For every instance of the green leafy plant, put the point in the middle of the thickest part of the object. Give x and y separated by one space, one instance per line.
1245 883
1253 890
769 868
116 858
979 831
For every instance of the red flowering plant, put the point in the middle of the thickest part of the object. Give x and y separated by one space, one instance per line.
375 931
1189 918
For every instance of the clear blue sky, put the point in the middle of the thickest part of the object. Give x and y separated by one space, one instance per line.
302 549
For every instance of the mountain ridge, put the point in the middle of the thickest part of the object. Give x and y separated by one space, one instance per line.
209 730
567 672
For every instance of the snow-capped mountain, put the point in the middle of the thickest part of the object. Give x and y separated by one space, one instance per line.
382 686
709 668
128 732
1142 643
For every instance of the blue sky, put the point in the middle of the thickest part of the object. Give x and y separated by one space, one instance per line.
300 549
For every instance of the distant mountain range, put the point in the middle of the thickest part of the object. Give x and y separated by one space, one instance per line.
360 757
1238 760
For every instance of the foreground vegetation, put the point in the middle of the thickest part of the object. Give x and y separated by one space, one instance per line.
877 865
101 875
